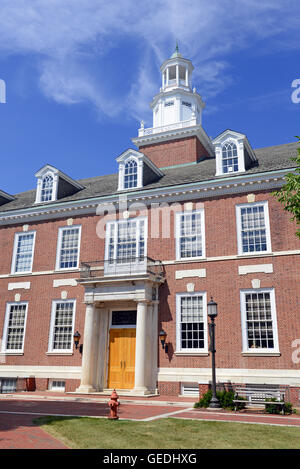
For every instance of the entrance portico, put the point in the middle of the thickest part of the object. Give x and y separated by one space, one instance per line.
103 296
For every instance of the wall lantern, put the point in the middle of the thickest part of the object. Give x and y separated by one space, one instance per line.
163 336
76 337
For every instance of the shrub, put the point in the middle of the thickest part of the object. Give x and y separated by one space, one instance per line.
272 408
287 407
205 399
225 398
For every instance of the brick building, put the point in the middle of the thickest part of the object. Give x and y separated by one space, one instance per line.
120 258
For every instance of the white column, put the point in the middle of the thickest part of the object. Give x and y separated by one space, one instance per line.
88 370
167 76
186 77
103 335
177 75
140 349
155 346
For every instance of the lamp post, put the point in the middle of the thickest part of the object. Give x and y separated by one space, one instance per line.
212 312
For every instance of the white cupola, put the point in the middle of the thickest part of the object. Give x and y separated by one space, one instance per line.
177 114
177 102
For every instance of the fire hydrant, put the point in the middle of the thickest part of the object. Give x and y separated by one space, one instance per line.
113 405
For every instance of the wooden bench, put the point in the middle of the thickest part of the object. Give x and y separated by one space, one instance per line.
258 395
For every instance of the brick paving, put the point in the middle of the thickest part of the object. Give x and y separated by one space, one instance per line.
19 432
17 429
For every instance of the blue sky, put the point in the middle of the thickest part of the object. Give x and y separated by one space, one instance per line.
80 75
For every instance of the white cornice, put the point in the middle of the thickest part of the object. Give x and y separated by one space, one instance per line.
181 192
195 130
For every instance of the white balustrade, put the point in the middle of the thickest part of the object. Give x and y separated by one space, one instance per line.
165 128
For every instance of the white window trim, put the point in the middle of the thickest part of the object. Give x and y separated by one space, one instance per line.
50 384
122 164
14 257
240 154
239 228
257 351
54 187
51 350
195 351
177 234
109 224
58 249
5 329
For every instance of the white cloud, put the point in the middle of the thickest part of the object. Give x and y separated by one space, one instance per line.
67 35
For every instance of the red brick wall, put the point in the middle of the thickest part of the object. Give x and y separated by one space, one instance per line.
180 151
222 282
169 388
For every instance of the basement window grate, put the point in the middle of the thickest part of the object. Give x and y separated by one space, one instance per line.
190 389
8 385
57 385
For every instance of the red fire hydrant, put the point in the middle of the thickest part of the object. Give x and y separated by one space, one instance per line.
113 405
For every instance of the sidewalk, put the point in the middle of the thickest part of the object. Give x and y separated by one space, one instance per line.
100 397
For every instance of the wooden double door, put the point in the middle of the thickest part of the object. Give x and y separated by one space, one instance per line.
121 364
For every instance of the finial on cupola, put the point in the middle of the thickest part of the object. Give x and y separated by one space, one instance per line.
176 53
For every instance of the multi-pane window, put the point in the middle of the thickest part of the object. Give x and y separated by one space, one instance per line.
23 252
47 188
68 247
260 329
190 234
229 157
61 337
191 322
56 385
126 241
130 174
15 327
254 235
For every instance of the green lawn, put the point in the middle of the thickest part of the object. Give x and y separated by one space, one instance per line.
89 433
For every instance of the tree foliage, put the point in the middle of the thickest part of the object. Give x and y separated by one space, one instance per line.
289 194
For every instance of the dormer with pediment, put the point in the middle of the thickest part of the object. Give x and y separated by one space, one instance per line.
136 170
234 153
53 184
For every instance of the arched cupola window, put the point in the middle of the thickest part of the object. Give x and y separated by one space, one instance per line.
230 161
130 174
47 188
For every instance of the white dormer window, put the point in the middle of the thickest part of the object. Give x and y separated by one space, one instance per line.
47 188
135 170
230 162
130 174
234 153
53 184
47 185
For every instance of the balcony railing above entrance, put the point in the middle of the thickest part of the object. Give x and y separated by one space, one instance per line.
125 267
